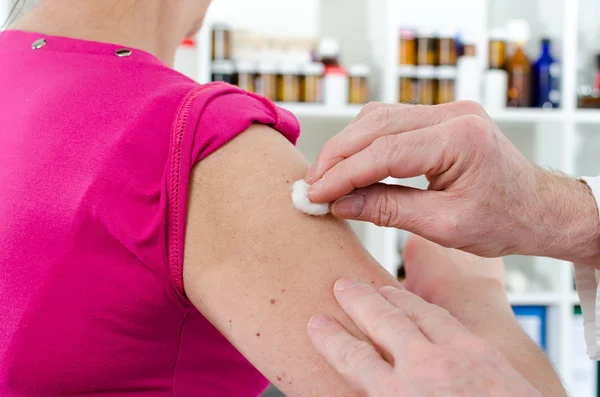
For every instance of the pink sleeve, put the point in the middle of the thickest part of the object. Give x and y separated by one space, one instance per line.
209 117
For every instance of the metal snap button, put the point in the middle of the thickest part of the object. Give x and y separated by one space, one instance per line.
39 44
123 52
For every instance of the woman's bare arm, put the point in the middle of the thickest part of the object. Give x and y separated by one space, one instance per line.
258 269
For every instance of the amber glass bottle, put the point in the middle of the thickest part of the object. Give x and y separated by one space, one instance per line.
519 67
519 79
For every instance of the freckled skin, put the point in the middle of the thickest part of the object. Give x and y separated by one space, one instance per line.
273 301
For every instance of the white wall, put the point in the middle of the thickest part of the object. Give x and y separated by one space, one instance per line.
466 15
281 17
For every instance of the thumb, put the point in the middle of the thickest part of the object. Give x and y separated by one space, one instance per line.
422 212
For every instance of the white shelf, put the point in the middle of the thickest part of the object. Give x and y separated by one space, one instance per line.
528 115
533 116
305 110
588 116
535 299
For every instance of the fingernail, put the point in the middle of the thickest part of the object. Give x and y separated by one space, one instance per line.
351 206
346 283
315 186
312 173
319 321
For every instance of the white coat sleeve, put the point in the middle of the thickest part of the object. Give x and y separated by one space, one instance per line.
587 281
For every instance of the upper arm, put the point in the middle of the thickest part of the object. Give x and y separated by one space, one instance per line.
258 269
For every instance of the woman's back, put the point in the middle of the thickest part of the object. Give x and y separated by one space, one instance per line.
86 294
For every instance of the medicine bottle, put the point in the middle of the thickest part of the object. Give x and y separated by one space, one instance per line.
311 90
221 42
288 82
545 78
447 55
495 78
407 85
446 84
408 47
358 84
469 74
497 49
186 59
245 75
427 48
427 85
266 80
519 67
335 77
223 71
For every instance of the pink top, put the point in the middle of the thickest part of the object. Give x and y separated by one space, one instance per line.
95 155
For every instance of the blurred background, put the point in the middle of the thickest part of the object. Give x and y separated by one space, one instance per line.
533 64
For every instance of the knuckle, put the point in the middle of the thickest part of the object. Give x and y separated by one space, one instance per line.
448 228
371 106
382 148
403 298
385 210
380 116
470 107
385 320
354 353
472 125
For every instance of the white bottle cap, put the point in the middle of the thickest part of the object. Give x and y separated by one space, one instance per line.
225 67
359 70
519 30
498 34
408 33
329 47
220 26
313 69
245 67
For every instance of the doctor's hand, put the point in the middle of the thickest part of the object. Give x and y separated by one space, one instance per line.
472 289
421 349
484 196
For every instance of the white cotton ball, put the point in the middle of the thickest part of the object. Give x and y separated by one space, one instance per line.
301 201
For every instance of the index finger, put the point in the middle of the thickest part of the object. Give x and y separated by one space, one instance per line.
408 155
377 120
356 360
385 324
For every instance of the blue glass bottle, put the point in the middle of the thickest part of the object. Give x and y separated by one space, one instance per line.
546 78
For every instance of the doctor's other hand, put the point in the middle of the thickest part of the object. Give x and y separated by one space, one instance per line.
484 196
440 275
421 349
472 290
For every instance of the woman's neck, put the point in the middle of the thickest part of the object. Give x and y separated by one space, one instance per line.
151 26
